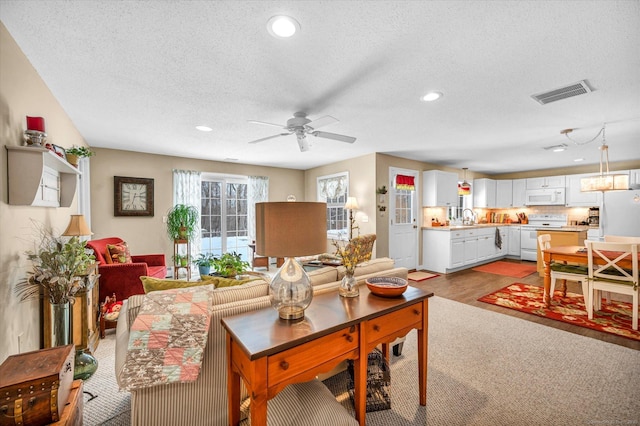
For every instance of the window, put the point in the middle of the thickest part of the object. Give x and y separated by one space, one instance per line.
334 190
223 218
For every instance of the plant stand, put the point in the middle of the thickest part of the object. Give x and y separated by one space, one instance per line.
176 264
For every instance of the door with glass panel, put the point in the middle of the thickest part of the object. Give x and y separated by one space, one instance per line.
403 226
223 220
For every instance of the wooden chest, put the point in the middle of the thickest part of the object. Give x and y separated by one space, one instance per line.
35 386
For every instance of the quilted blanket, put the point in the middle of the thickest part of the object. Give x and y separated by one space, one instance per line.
168 337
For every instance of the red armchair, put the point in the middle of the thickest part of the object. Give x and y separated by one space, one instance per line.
123 279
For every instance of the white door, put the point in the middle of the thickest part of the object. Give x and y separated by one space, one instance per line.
403 225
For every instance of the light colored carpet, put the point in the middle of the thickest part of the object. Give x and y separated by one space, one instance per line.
485 368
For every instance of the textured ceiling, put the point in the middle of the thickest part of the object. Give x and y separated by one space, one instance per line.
141 75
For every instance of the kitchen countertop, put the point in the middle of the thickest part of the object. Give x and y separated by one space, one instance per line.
573 228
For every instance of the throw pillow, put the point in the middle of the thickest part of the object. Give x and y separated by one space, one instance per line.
157 284
118 253
219 282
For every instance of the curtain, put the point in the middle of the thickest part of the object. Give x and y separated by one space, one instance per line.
405 182
187 189
257 192
332 187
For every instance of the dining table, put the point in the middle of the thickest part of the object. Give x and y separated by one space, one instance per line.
570 254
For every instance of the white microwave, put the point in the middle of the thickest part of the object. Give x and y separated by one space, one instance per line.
545 197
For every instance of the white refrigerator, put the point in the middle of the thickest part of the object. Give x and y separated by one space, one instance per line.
620 213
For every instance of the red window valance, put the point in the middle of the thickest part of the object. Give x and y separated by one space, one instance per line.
405 182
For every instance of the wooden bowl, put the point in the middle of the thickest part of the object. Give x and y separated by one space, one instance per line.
386 286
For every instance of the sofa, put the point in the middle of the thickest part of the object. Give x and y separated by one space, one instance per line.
204 402
123 279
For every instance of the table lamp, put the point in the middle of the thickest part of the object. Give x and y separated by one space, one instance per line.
288 229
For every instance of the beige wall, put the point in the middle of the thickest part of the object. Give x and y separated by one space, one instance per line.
22 93
148 234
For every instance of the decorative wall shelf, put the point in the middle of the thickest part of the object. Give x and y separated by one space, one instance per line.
39 177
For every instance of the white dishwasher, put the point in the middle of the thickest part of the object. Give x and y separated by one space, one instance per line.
529 233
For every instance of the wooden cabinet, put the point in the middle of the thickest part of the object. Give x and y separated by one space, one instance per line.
504 193
546 182
85 315
519 187
439 189
484 193
38 177
576 198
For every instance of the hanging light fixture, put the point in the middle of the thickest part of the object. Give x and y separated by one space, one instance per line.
464 188
604 181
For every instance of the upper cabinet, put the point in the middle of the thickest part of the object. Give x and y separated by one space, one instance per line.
576 198
38 177
546 182
439 189
519 187
504 193
484 193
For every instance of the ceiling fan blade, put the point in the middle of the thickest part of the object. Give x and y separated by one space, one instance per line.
322 121
335 136
267 124
270 137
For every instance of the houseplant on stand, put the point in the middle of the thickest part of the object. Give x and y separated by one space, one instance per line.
182 222
58 267
75 153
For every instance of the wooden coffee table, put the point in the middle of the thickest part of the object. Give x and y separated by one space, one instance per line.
270 353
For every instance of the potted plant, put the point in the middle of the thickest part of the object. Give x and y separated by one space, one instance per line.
204 262
230 265
76 152
181 260
182 222
58 266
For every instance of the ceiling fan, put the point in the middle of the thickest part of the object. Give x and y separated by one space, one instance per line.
301 126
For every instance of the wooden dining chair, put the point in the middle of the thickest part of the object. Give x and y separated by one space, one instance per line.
563 271
606 274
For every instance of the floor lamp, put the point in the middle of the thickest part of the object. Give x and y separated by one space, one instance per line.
351 205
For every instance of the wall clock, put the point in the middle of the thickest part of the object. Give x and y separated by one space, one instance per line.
132 196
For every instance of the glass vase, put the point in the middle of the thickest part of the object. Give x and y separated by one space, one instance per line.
348 286
59 320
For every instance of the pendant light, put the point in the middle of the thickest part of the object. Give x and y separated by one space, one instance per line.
604 181
464 188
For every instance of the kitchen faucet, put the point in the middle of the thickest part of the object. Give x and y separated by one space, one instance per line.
473 217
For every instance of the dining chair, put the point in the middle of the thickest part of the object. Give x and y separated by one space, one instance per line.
563 271
606 274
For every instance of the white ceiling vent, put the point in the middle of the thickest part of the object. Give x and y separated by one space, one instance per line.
575 89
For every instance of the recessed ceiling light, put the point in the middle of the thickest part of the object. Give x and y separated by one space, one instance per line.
282 26
431 96
559 149
556 148
577 160
231 159
204 128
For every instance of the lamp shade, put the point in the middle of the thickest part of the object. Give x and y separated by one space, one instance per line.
288 229
351 204
77 227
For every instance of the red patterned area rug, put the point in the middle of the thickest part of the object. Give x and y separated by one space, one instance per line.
509 269
614 318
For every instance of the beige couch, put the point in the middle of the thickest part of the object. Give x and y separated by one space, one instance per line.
204 402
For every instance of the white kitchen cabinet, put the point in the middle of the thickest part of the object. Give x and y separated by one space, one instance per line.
439 189
504 193
513 232
634 179
546 182
39 177
457 253
504 237
470 250
519 187
485 247
576 198
484 193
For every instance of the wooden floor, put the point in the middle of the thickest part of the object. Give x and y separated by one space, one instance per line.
468 285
